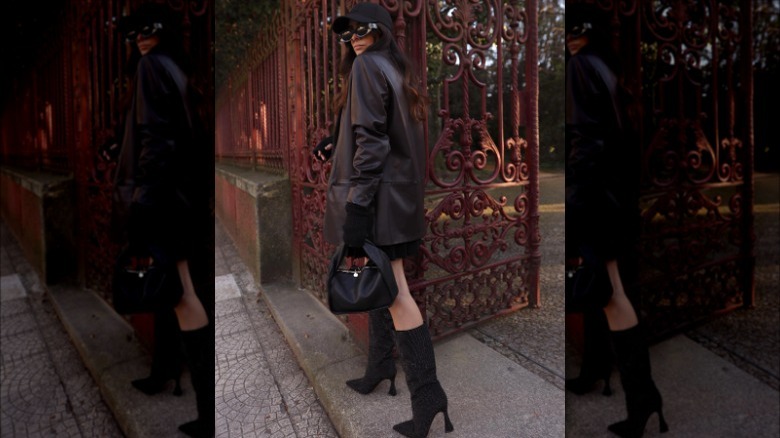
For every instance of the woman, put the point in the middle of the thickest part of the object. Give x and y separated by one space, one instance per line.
160 186
600 202
376 191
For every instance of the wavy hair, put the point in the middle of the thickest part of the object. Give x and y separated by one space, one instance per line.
418 102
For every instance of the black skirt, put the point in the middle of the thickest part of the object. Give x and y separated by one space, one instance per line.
402 250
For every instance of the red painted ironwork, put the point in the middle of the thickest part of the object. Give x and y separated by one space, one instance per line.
251 116
690 68
72 103
481 254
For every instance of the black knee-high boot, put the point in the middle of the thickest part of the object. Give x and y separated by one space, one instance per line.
428 397
199 349
166 357
381 364
597 357
642 396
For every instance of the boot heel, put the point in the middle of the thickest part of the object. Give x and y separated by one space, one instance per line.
177 388
392 386
662 426
447 423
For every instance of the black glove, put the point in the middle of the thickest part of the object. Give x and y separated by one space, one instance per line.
321 148
357 226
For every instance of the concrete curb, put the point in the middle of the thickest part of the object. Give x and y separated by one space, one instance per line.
113 356
486 391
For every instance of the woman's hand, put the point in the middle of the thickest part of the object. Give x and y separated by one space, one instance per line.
357 225
323 149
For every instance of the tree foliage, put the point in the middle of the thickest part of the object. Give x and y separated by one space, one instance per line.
552 71
766 69
238 25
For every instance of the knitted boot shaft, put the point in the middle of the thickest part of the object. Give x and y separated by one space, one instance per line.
596 357
166 356
428 397
199 349
381 364
642 397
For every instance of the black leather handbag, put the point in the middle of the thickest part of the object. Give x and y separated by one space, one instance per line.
141 288
361 289
587 288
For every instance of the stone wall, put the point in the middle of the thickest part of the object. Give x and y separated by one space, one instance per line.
255 209
38 209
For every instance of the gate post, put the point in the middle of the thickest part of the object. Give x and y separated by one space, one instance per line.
532 137
748 221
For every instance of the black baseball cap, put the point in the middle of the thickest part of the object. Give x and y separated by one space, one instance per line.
147 15
581 18
363 13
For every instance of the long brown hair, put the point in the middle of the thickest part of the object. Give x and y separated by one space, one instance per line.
418 102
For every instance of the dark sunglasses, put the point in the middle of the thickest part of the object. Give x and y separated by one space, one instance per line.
146 32
361 31
579 30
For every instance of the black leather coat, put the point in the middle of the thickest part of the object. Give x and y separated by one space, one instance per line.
601 166
158 181
379 156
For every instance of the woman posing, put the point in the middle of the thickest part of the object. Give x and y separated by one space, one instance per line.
376 191
601 210
161 195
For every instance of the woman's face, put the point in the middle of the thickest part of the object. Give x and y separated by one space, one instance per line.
361 44
145 44
576 43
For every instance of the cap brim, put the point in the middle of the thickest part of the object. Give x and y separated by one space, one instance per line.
341 24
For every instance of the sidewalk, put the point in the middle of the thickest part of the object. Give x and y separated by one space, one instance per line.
518 391
282 359
254 379
46 391
68 360
720 379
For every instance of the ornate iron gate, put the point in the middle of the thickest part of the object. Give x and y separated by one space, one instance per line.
478 57
690 64
76 96
101 83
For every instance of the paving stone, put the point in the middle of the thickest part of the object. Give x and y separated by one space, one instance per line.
45 389
232 323
18 323
260 389
11 288
34 399
247 392
21 346
93 416
236 345
11 308
228 307
225 288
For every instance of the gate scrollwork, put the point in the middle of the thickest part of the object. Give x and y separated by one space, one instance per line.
692 74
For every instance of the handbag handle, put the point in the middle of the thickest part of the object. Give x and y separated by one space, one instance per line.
374 254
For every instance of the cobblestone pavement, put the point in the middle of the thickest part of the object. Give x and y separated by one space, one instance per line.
260 389
45 389
535 338
750 338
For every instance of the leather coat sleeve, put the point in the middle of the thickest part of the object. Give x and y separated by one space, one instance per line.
590 121
156 136
368 107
